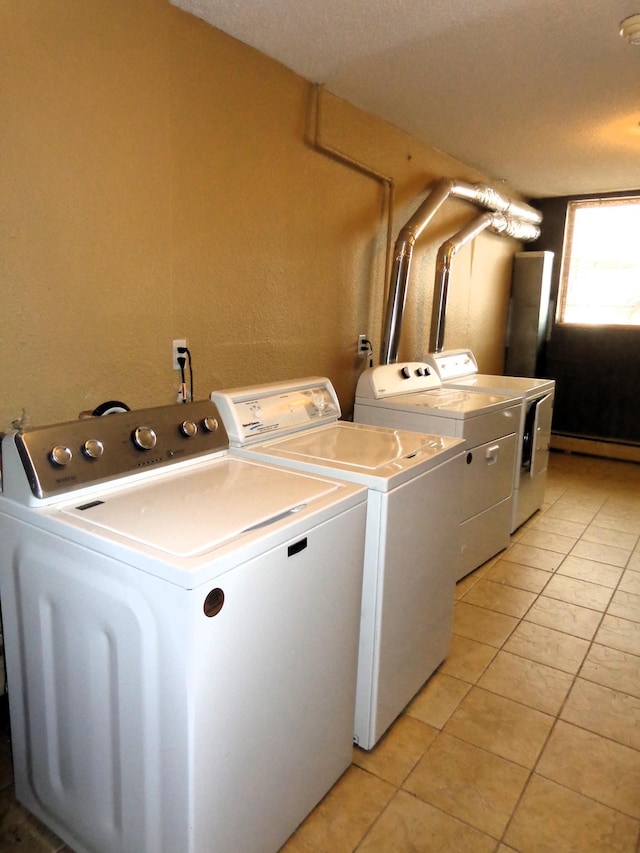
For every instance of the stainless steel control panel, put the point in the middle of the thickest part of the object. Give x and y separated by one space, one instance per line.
70 455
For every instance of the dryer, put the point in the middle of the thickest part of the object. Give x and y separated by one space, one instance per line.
410 396
459 369
413 485
181 633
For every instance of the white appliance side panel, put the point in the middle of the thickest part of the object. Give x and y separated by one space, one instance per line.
93 654
137 720
411 556
488 475
485 535
272 726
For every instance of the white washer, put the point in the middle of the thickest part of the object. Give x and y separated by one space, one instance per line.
414 482
459 369
181 632
410 396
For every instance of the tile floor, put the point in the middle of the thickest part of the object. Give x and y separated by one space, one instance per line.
527 738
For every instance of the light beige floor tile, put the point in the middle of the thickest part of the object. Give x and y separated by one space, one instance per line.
601 553
619 634
612 668
537 558
606 536
438 699
463 586
467 659
559 525
553 819
582 593
593 766
500 725
619 520
625 605
634 562
605 711
545 645
549 541
469 783
500 598
565 617
520 577
571 511
534 684
591 570
410 824
343 817
398 751
630 582
482 625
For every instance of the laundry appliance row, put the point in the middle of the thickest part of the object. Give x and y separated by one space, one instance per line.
181 632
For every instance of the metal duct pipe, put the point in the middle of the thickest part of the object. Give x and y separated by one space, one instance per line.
402 253
496 222
479 194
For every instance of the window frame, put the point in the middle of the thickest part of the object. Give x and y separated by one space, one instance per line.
574 205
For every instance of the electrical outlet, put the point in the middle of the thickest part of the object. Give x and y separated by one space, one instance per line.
174 352
364 347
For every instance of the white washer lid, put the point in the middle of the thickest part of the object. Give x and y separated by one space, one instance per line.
371 455
203 508
524 386
451 402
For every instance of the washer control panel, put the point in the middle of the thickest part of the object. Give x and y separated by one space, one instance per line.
388 380
453 364
276 409
63 457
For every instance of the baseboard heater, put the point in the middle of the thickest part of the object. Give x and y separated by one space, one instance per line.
609 448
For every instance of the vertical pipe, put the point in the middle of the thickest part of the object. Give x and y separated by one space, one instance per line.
403 252
443 272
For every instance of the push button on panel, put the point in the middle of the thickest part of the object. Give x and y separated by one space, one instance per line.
144 438
60 455
93 448
188 428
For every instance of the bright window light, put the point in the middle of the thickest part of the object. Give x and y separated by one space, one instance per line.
600 278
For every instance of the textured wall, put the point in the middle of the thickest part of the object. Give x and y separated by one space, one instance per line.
157 182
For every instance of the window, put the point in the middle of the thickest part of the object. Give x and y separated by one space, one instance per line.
600 277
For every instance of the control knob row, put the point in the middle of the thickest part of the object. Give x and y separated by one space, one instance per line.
143 437
419 371
61 455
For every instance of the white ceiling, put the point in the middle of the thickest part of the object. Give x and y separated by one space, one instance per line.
542 94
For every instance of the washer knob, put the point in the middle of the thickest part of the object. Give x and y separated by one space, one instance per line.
144 438
188 428
406 372
420 371
93 448
60 455
210 424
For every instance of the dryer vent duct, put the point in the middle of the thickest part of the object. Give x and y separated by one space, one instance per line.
495 222
506 216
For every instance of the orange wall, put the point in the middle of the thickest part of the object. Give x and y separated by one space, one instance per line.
157 182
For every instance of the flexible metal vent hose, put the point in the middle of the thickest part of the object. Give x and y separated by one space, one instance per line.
508 216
